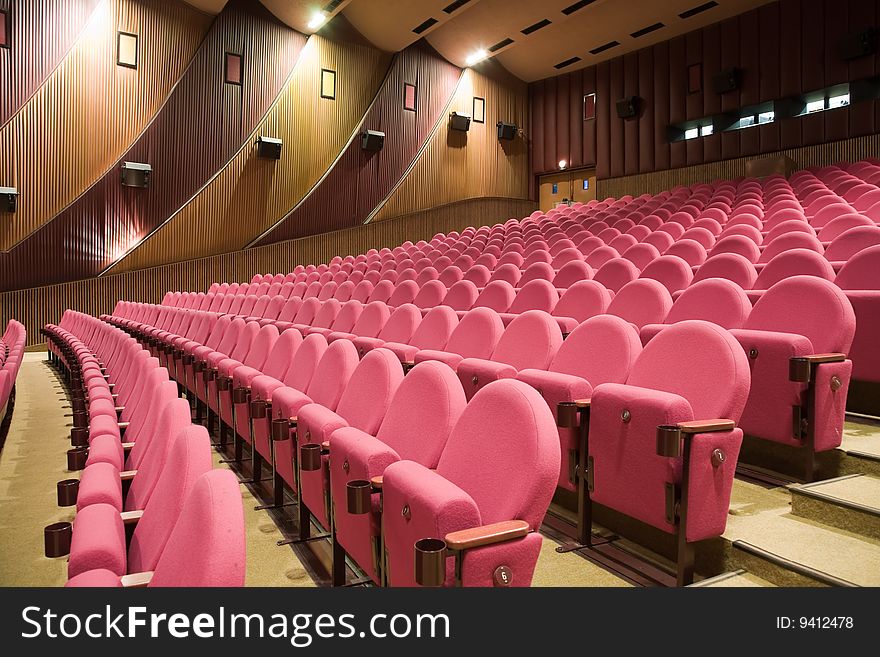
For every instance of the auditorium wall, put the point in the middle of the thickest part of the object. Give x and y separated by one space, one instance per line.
200 126
782 49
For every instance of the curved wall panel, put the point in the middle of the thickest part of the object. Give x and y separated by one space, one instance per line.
197 131
359 180
42 33
90 110
250 194
458 165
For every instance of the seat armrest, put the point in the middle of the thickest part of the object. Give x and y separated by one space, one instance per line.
127 475
498 532
706 426
800 368
376 482
136 580
131 517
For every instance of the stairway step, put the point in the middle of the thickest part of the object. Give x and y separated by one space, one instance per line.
851 502
733 579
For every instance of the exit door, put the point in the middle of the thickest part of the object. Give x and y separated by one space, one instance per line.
570 185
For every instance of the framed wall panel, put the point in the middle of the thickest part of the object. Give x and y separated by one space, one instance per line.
328 84
479 110
232 68
127 49
409 97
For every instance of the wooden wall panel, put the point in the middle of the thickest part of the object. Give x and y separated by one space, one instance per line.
201 126
38 306
360 180
250 194
104 107
455 166
849 150
42 33
782 49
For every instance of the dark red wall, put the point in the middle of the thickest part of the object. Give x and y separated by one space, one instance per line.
360 180
784 48
202 125
42 33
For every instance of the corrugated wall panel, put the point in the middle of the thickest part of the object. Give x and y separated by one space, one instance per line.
52 161
360 180
250 194
42 33
454 166
197 131
38 306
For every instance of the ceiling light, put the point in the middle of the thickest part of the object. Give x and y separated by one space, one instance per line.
477 56
318 19
562 164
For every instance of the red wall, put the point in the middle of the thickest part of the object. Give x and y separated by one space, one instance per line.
783 49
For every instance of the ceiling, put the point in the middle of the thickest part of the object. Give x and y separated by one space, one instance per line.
570 32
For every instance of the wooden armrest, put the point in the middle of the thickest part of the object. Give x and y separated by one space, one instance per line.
487 534
127 445
127 475
706 426
823 358
136 580
582 403
325 447
131 517
376 482
123 425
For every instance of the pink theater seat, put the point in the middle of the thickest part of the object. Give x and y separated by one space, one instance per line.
535 295
404 292
800 316
860 281
659 240
673 272
508 273
793 263
641 255
430 295
692 371
475 337
498 466
616 273
99 533
843 223
691 251
530 341
497 295
850 242
363 402
431 388
731 266
538 271
793 226
715 300
745 230
601 350
738 244
644 301
789 241
369 323
829 213
702 236
582 301
478 275
206 547
432 333
600 256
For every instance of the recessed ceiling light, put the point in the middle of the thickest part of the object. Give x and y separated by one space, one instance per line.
477 56
317 20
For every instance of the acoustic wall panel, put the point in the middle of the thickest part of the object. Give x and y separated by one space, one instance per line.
200 127
359 180
105 107
42 33
250 194
454 166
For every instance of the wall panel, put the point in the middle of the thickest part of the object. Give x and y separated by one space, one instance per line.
360 180
51 162
455 166
38 306
250 194
42 33
196 132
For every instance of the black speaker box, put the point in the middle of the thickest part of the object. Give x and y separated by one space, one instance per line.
460 122
628 108
726 81
858 44
372 140
269 148
506 131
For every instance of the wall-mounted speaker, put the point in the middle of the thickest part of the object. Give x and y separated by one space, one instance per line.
372 140
136 174
8 199
460 122
269 147
506 131
628 107
725 81
858 44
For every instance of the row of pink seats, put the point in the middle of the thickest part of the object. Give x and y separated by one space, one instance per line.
11 354
188 526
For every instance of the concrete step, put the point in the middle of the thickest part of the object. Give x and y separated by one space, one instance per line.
766 539
851 502
733 579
